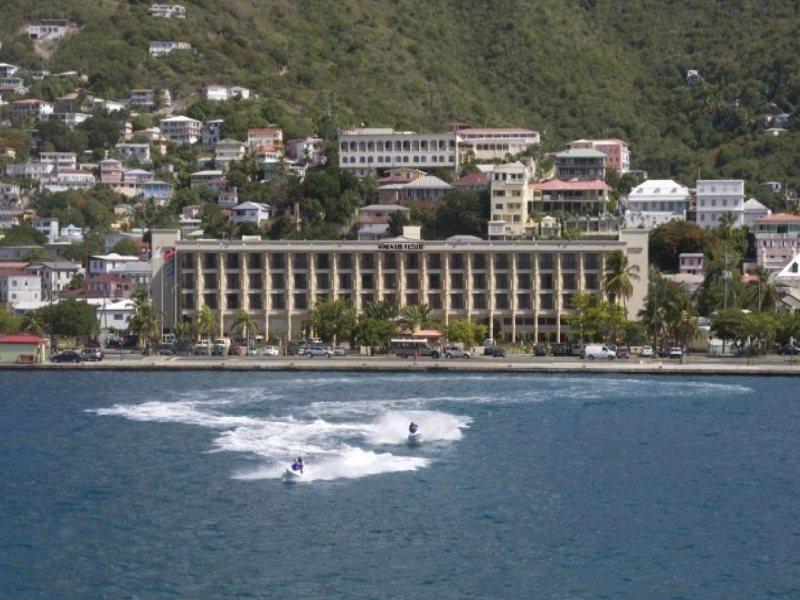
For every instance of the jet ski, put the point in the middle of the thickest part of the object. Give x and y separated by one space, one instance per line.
415 439
291 475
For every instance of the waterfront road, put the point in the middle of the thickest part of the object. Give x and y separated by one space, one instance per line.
697 364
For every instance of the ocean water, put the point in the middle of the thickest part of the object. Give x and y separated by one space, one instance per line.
169 485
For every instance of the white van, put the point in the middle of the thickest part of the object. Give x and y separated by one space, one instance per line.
592 351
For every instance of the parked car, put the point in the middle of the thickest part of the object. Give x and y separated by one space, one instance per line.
559 350
789 350
340 351
457 352
540 350
218 350
271 351
647 352
296 347
593 351
236 350
92 354
575 349
663 352
494 351
66 356
676 352
318 350
623 352
166 349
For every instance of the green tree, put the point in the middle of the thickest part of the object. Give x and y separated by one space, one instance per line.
374 332
332 319
618 281
70 318
8 322
595 320
32 322
466 332
245 325
206 324
37 255
415 316
126 247
22 235
145 321
669 240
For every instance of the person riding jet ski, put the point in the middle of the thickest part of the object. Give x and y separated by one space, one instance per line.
298 464
413 428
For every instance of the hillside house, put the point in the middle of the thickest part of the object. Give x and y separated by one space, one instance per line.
30 110
181 129
59 160
139 153
221 93
161 48
265 136
50 29
167 11
250 212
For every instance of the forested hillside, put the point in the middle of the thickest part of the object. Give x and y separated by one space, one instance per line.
565 67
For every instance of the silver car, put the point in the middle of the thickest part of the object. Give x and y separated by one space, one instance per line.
457 352
315 350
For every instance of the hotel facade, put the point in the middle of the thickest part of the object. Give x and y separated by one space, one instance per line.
521 289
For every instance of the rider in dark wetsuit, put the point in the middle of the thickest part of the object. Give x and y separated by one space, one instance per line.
413 427
298 464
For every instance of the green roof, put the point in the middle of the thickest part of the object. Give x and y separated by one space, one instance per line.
580 153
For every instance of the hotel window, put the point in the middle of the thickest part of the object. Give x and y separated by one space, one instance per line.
390 261
566 300
323 281
232 301
456 261
300 260
232 280
277 261
412 281
546 281
255 301
366 299
188 301
501 261
435 301
254 261
524 301
187 260
277 301
456 281
300 301
412 298
231 261
187 280
501 301
322 260
479 281
523 261
523 281
479 301
367 261
591 281
278 281
501 281
568 281
434 261
412 261
434 281
546 301
546 261
479 261
210 261
389 281
367 281
591 261
568 261
256 281
345 281
210 300
345 261
210 281
457 301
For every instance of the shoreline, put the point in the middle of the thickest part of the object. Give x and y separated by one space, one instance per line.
424 366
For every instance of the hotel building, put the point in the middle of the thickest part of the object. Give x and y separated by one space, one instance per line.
372 150
521 289
715 197
489 143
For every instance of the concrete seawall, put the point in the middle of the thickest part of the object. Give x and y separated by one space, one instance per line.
355 364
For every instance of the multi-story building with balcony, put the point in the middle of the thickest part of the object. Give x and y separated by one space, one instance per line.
715 197
150 99
581 164
656 201
777 240
617 153
59 160
181 129
511 196
522 290
376 150
491 143
588 198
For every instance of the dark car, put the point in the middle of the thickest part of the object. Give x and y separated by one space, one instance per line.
540 350
166 349
236 350
575 349
663 352
623 352
559 350
494 351
789 350
66 357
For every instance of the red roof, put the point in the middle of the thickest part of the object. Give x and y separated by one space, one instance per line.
779 218
263 131
557 185
22 338
471 179
15 273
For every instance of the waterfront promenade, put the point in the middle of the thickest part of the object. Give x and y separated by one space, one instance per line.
771 365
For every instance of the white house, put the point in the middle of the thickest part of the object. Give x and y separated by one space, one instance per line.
70 179
489 143
30 109
71 233
149 98
70 119
108 263
511 197
221 93
9 193
7 70
138 152
181 129
369 150
47 226
168 11
715 197
656 201
19 286
34 170
60 160
250 212
228 151
54 275
753 210
161 48
50 29
265 136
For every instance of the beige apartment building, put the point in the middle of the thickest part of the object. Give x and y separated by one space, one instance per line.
521 289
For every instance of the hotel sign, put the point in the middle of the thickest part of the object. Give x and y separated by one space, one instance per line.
400 246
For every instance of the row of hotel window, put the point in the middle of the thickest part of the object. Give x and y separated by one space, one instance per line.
441 159
300 281
398 146
411 260
233 301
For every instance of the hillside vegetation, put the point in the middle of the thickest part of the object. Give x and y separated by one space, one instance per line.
568 68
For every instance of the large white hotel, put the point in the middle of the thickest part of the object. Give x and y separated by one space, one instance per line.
522 289
373 150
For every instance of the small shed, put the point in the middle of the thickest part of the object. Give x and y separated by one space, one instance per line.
22 348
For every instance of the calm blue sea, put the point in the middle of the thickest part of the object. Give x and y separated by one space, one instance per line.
168 485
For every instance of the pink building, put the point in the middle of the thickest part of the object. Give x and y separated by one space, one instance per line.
618 156
777 240
691 263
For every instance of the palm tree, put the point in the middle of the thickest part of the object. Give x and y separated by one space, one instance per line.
244 323
145 321
382 311
33 323
206 323
763 291
620 275
415 316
